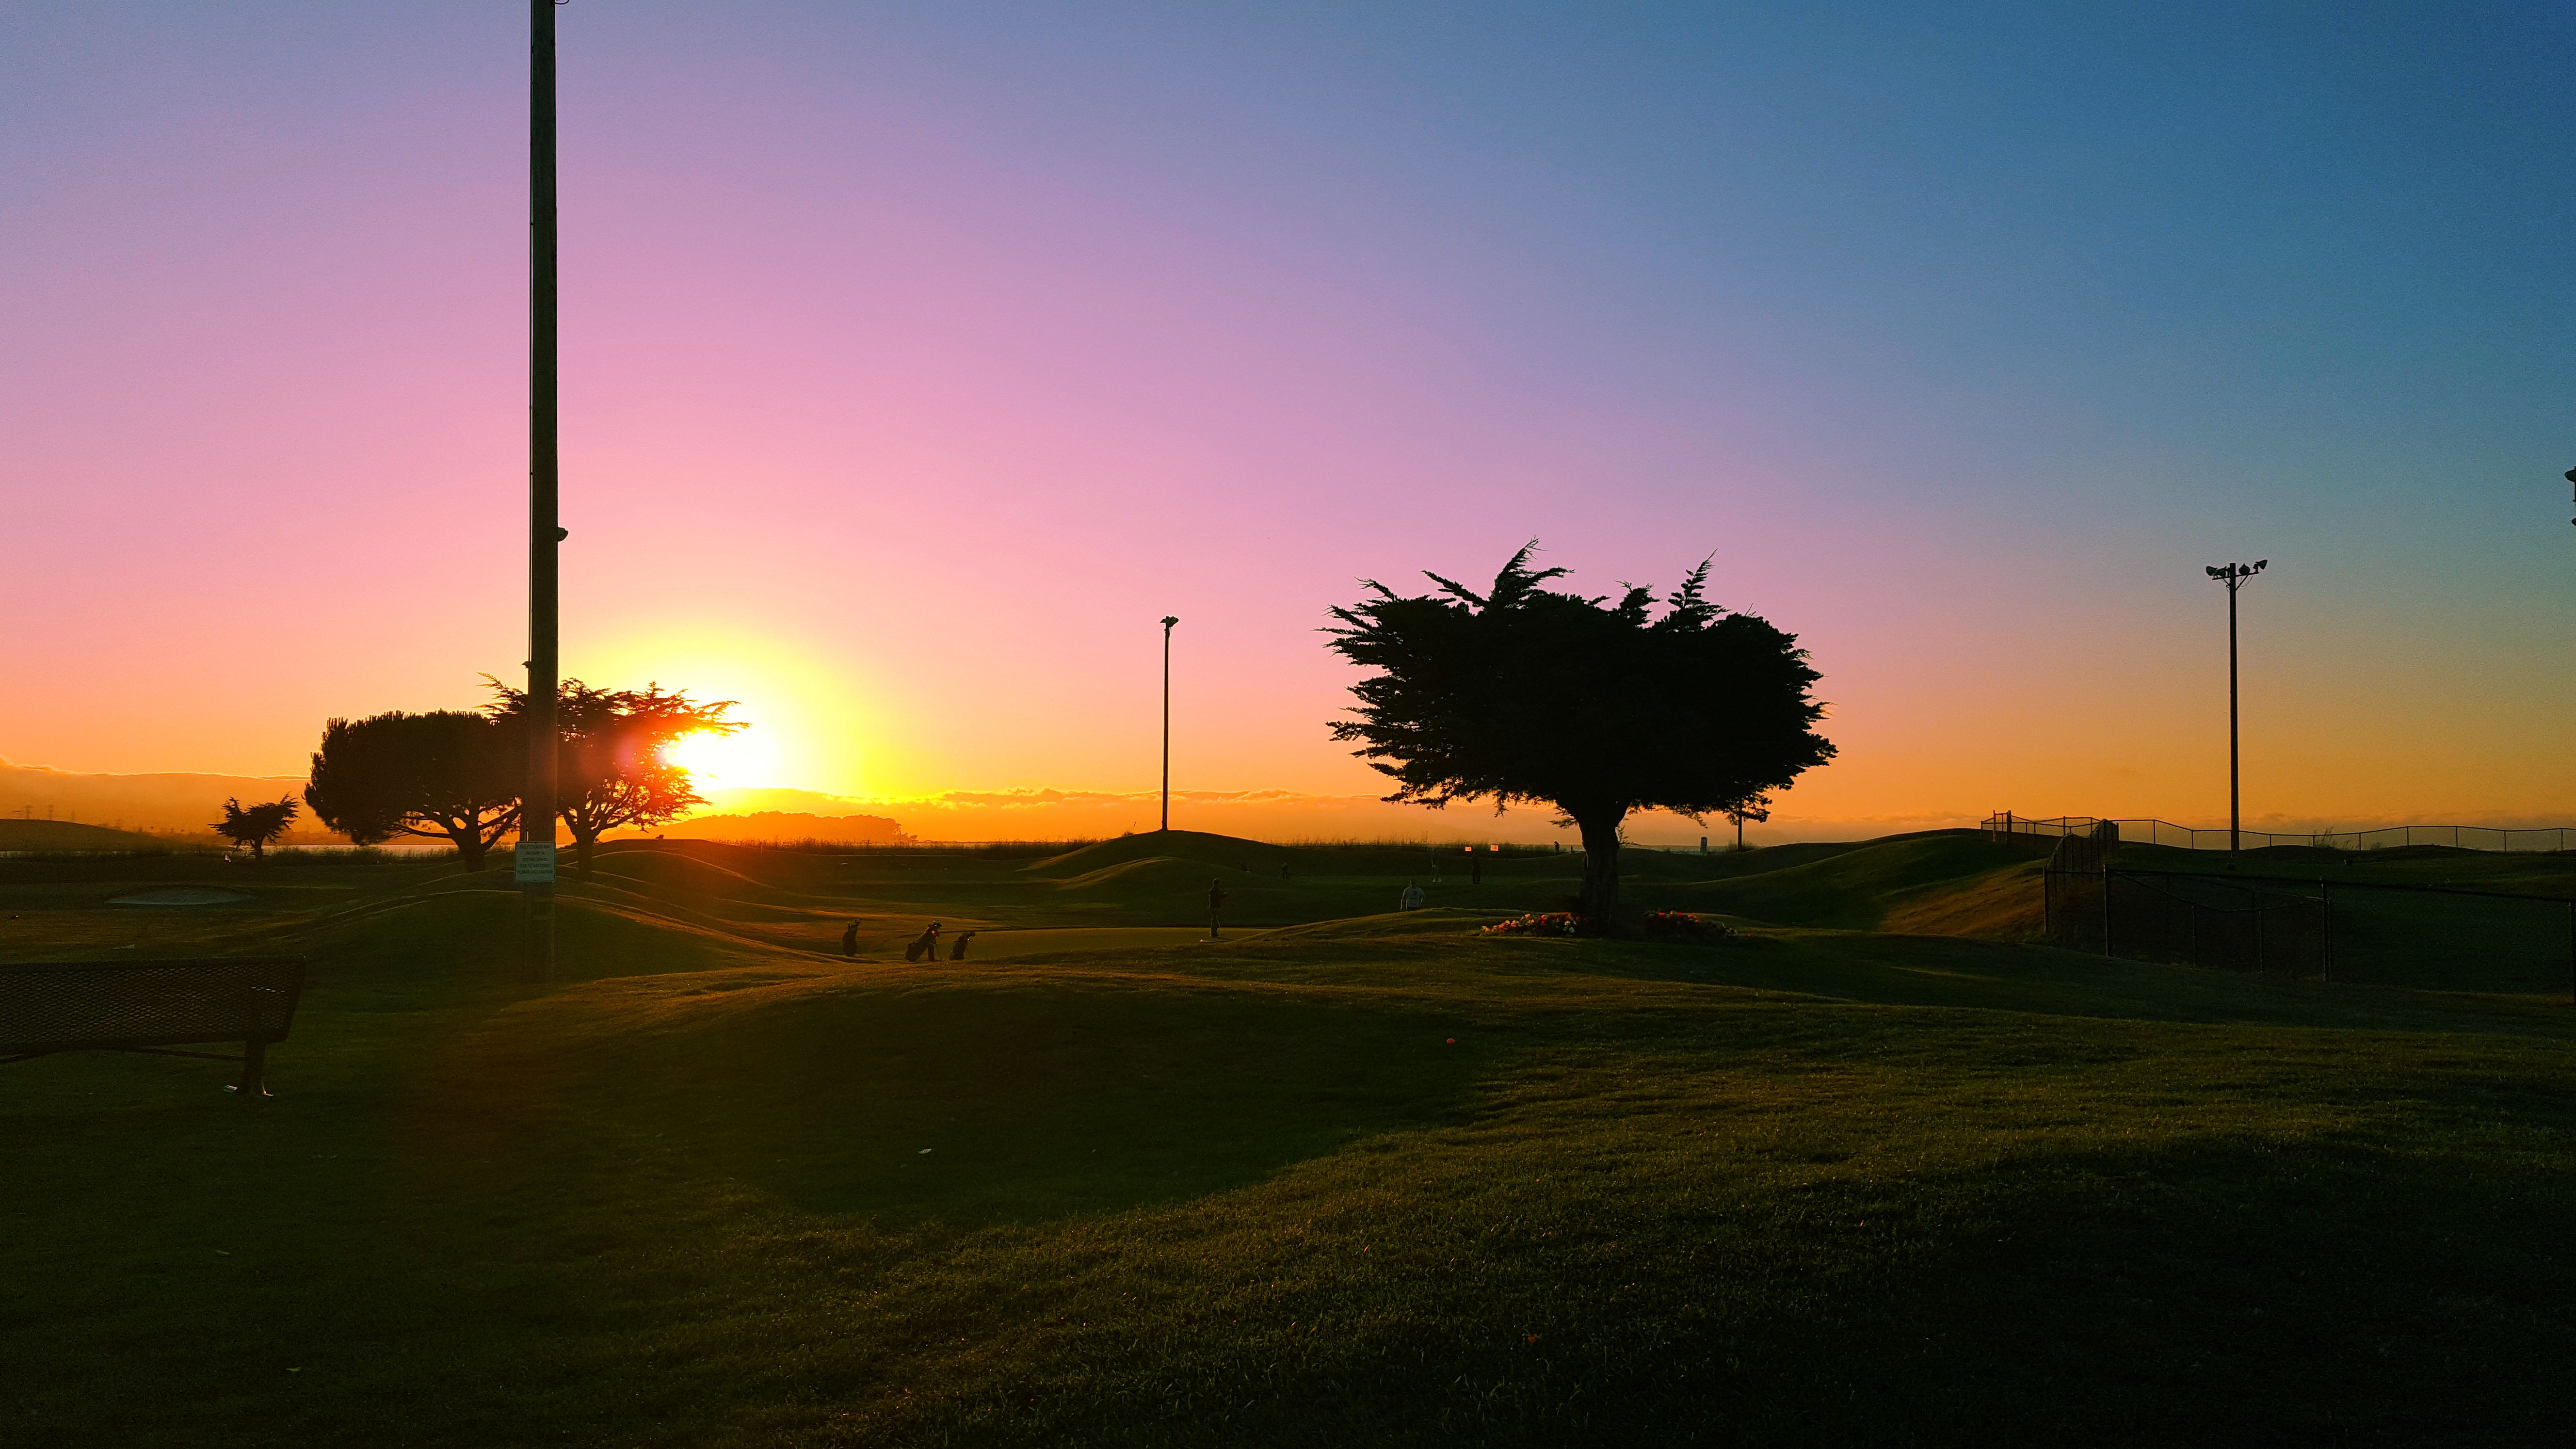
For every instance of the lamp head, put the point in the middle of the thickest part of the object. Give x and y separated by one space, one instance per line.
1169 620
2258 566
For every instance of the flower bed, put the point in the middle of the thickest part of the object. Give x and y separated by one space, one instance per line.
1545 923
1657 926
1683 926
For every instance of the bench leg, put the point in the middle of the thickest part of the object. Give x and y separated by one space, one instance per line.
254 1061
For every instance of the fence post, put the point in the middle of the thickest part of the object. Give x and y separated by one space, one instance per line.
2106 913
2325 968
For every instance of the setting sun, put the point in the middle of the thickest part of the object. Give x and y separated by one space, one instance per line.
714 761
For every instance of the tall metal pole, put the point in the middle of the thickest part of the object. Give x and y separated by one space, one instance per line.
1168 622
2234 575
2235 769
536 853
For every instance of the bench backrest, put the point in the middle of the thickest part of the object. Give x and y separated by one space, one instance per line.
66 1006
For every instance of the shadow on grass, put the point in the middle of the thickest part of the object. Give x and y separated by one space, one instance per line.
1875 968
1025 1103
2207 1295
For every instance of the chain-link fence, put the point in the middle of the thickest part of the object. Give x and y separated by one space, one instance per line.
2231 924
2433 938
2164 832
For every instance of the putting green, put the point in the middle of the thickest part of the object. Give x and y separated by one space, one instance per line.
179 896
1002 945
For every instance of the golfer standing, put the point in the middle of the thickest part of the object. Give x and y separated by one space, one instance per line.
1216 908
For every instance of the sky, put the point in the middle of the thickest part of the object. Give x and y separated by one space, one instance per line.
917 359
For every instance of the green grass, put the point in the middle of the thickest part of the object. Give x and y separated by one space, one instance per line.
1362 1178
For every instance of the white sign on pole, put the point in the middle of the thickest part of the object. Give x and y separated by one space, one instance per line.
536 862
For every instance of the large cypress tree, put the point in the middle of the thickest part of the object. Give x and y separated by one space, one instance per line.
446 774
1600 708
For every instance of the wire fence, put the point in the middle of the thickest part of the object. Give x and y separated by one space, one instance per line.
2434 938
2387 837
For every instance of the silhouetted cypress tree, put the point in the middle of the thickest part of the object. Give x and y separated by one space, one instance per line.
447 773
255 825
610 768
1598 708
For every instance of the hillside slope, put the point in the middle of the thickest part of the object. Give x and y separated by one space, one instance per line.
1945 884
68 835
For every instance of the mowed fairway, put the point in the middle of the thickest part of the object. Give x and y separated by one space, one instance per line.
1344 1177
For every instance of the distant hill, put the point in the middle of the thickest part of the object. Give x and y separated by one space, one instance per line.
163 802
783 825
66 835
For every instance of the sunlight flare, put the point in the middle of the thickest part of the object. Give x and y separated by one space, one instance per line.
717 762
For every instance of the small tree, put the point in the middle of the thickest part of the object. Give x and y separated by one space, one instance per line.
1527 694
256 825
1757 808
445 774
611 766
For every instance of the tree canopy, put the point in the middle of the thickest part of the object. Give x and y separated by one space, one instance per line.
448 774
1595 705
611 769
255 825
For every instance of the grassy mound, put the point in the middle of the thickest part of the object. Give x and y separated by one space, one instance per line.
1155 875
1222 853
1950 883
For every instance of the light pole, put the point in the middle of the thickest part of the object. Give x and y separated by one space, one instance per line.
1168 621
535 857
2234 576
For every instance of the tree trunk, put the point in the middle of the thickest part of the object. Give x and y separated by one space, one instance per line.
1600 864
469 845
582 841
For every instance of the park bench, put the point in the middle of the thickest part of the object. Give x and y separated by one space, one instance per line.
151 1006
